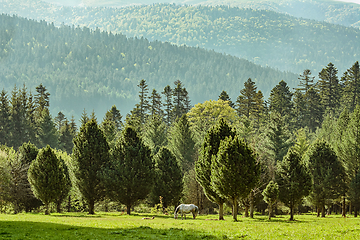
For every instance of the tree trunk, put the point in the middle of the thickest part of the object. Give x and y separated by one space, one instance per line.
246 211
58 207
69 204
350 208
47 212
292 213
91 207
270 210
344 207
323 211
318 211
128 209
235 210
251 204
355 211
221 211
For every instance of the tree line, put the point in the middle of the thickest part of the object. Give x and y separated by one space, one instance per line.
185 153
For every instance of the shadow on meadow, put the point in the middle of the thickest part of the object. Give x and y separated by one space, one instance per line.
37 230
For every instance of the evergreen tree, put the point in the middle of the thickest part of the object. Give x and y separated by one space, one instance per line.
66 137
143 106
5 125
182 143
155 104
234 171
48 135
302 143
59 120
130 176
293 179
354 193
306 81
181 102
271 194
280 100
114 115
209 149
17 119
225 97
90 156
329 88
327 173
155 133
168 104
168 178
110 131
49 177
42 100
31 120
84 118
314 111
351 91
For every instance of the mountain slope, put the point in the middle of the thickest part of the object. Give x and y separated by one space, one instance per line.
90 69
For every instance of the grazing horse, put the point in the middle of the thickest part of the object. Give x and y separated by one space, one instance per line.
186 208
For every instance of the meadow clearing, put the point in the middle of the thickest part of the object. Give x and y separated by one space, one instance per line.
120 226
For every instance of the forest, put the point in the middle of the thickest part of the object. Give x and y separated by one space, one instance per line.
261 36
97 69
311 132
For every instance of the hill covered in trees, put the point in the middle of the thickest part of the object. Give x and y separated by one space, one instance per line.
260 36
84 68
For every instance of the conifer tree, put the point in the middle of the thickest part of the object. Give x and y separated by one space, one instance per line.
280 100
59 120
168 104
234 171
114 115
90 156
271 194
329 88
168 178
49 177
42 100
293 179
181 102
225 97
327 173
306 81
155 104
66 137
48 135
130 176
18 119
5 126
84 118
182 143
155 133
209 149
351 91
143 106
314 111
354 193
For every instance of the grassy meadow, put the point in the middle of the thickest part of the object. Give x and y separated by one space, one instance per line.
120 226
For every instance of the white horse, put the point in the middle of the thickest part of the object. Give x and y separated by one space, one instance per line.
186 208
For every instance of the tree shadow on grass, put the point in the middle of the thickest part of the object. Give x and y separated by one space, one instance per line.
37 230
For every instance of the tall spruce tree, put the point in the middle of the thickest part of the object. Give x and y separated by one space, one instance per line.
142 108
351 91
90 156
181 102
293 179
17 119
225 97
49 177
5 126
155 104
306 81
168 178
327 173
114 115
66 137
182 143
130 175
329 88
168 104
234 171
48 135
208 150
280 100
155 133
42 99
354 193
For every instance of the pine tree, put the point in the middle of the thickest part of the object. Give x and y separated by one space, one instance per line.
293 179
234 171
314 111
271 194
306 81
155 104
42 100
130 176
155 133
209 149
351 82
48 135
329 88
168 104
327 173
59 120
280 101
181 102
66 137
143 106
182 143
114 115
49 177
17 119
5 126
225 97
84 118
90 156
354 193
168 178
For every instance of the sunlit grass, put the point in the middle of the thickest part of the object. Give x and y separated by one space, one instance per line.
118 226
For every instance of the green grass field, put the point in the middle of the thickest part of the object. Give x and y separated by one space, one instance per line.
118 226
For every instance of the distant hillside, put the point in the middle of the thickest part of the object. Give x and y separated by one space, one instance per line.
263 37
347 14
90 69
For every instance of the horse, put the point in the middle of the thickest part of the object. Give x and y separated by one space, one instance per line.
186 208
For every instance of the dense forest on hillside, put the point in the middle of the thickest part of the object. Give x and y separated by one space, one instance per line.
260 36
95 69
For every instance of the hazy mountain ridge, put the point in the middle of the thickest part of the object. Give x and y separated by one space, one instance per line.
94 70
263 37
